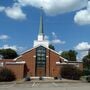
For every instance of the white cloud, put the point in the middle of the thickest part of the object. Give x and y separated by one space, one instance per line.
82 49
14 47
2 8
82 46
7 47
54 35
4 37
46 37
56 40
60 52
84 53
83 16
50 7
81 54
15 12
53 7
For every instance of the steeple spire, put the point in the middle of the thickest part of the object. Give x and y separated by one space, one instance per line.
41 26
41 33
40 39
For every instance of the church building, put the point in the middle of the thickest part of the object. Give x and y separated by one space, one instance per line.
39 61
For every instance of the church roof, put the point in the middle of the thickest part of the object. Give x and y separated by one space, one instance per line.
43 46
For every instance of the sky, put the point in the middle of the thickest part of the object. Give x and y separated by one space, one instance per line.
66 24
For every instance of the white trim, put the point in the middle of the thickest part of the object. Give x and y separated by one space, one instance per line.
17 57
47 56
58 63
22 62
34 56
75 61
1 64
38 46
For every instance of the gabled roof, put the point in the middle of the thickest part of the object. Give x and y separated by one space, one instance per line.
38 46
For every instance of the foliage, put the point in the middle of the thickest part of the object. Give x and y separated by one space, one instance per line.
51 47
55 78
86 61
27 79
8 53
86 64
86 72
6 75
71 72
88 78
69 55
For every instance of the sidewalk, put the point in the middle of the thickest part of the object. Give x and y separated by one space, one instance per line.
41 81
50 81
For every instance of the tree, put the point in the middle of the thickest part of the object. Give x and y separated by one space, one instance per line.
86 63
65 54
70 55
86 60
51 47
8 53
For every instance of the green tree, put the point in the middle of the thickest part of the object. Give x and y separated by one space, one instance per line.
70 55
86 60
8 53
65 54
51 47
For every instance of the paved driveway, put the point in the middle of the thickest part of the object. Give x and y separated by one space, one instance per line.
46 86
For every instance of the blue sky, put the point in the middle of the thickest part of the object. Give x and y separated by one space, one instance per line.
67 26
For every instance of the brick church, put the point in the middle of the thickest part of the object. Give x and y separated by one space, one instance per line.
37 61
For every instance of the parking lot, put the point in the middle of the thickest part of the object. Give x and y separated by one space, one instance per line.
45 86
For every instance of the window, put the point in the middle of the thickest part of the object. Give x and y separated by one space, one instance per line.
41 57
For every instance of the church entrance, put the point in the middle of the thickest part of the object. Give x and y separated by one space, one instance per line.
40 61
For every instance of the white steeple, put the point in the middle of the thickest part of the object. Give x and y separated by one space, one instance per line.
41 40
41 33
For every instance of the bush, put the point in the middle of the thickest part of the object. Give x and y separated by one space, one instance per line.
27 79
88 78
40 78
6 75
86 72
55 78
71 72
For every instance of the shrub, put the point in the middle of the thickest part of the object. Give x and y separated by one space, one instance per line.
27 79
6 75
40 78
88 78
71 72
55 78
86 72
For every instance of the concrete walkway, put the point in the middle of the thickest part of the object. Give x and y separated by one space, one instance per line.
43 81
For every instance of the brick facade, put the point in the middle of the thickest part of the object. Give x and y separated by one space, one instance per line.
28 68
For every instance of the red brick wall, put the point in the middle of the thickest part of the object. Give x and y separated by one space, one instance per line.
52 69
18 70
30 62
51 59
